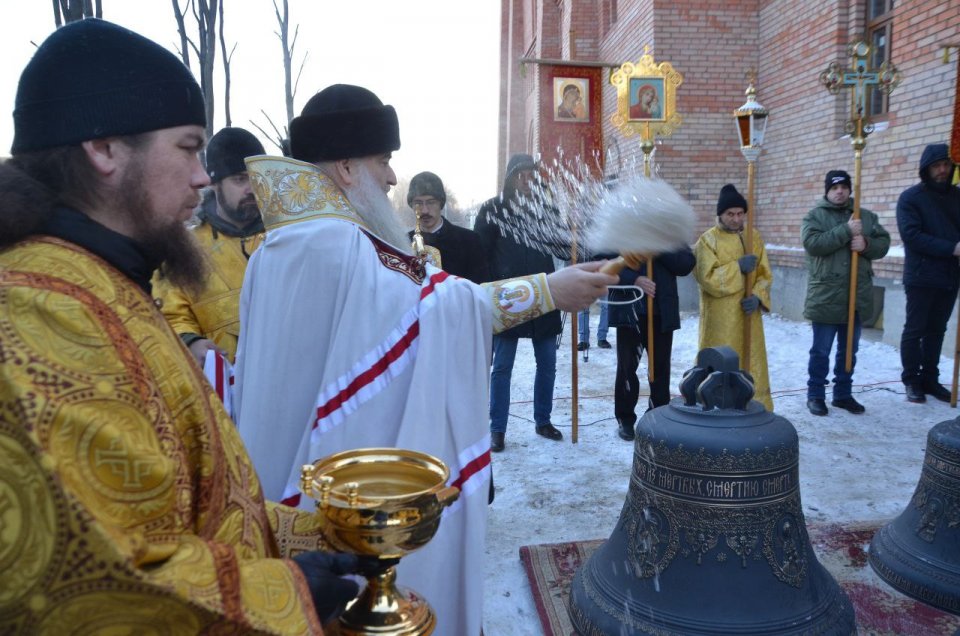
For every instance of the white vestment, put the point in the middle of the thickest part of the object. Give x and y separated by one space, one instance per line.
346 344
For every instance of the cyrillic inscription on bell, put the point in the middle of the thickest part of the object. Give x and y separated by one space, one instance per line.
711 538
918 553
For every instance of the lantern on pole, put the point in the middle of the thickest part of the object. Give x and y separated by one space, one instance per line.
751 126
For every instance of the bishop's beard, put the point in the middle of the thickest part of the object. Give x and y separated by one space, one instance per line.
169 243
373 206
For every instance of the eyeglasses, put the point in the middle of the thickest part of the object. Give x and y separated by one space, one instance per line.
426 203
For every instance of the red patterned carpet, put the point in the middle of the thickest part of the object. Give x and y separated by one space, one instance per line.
880 609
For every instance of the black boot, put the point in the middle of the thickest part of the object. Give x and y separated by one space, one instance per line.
915 394
849 404
625 430
496 442
817 406
937 390
549 431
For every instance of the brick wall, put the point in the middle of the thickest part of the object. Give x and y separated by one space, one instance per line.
712 43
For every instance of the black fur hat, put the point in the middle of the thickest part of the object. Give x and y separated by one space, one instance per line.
343 122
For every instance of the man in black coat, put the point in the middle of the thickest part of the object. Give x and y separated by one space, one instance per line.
928 217
508 257
630 321
460 251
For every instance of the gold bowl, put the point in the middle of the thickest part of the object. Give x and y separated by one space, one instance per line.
382 503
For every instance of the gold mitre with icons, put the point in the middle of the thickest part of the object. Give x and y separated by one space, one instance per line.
288 191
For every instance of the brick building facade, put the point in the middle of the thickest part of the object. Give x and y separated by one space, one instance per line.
713 43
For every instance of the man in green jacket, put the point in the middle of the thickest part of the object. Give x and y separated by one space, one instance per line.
830 234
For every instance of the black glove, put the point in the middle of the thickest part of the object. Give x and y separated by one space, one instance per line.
748 263
750 304
323 572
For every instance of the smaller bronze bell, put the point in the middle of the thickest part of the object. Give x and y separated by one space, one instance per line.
918 553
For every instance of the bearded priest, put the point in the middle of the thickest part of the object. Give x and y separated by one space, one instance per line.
349 341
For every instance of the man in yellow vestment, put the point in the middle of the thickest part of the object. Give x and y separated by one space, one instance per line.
722 265
127 501
229 230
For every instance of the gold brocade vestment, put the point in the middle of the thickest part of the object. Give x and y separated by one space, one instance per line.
213 313
127 501
721 290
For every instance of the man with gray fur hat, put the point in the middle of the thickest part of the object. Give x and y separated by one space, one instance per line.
460 250
229 230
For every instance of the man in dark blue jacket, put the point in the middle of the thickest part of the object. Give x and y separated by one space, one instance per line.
461 253
508 256
928 217
630 321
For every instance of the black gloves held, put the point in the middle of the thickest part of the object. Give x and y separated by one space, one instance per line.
323 572
748 263
750 304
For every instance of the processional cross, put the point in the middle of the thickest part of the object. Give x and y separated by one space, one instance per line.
861 78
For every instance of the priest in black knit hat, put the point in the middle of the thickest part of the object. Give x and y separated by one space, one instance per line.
348 340
127 491
723 264
228 229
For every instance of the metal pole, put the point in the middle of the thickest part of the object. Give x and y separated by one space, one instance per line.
647 147
749 277
956 365
574 368
859 141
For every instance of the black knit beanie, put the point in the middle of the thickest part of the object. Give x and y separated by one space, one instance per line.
517 163
833 178
730 198
93 79
426 184
343 122
227 150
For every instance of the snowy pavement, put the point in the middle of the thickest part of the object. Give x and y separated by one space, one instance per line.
852 467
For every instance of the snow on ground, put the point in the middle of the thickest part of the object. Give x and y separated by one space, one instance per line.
852 467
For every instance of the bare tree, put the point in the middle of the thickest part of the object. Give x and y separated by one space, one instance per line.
288 45
205 15
182 30
67 11
279 137
226 68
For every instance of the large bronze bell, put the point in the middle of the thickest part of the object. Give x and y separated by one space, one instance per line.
919 552
711 539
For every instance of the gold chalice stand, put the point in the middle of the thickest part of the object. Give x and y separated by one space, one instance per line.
382 503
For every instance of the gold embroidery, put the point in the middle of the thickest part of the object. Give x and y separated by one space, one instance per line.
517 300
413 267
288 191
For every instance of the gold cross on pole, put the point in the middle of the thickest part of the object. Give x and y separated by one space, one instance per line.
860 78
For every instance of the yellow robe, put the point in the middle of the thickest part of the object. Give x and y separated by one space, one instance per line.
214 313
722 289
127 501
